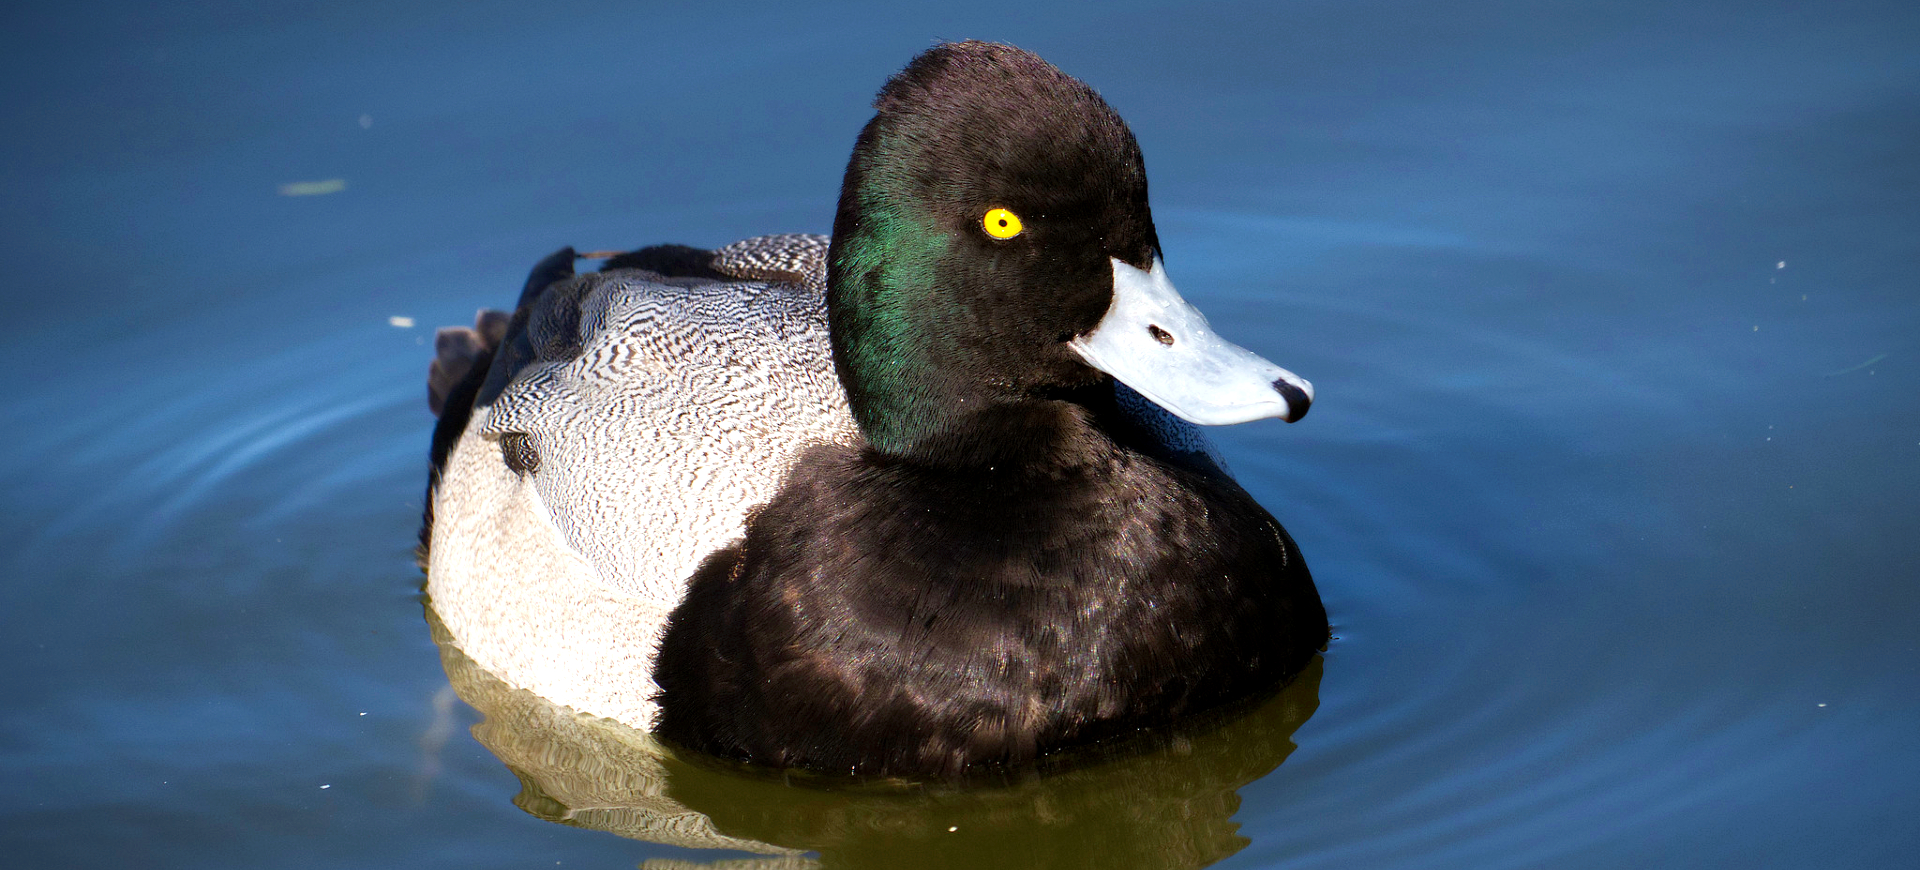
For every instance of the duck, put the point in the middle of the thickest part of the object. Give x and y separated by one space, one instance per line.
924 497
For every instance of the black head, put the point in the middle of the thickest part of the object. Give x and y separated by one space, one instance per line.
980 215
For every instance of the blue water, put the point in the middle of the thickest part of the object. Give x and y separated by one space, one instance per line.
1613 312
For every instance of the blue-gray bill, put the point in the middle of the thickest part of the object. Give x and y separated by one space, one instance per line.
1156 343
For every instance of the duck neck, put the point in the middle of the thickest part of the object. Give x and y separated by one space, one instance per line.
919 390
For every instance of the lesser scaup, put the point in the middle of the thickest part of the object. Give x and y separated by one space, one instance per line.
888 504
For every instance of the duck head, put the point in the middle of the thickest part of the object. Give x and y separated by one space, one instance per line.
994 251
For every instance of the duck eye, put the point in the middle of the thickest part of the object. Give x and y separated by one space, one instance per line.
1001 224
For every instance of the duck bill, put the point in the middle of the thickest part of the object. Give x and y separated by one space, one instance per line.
1153 341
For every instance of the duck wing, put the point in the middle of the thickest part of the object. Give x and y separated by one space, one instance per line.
651 413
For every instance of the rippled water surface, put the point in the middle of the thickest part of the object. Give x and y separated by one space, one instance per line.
1613 311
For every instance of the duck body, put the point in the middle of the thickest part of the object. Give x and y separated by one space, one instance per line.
924 500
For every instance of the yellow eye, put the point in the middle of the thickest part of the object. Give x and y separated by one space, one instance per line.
1001 224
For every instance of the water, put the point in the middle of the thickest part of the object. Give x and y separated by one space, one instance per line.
1610 487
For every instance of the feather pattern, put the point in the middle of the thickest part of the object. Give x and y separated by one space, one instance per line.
643 418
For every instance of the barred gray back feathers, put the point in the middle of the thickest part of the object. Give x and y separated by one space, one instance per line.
798 258
660 414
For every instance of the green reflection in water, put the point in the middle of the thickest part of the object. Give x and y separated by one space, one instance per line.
1162 802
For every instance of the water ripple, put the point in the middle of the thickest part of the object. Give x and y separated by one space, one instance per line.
276 432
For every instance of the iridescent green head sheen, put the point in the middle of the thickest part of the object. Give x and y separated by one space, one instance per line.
937 324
